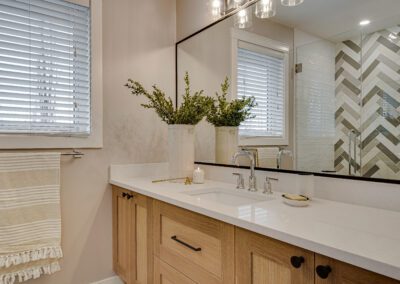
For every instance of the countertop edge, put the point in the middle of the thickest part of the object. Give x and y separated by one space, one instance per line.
353 259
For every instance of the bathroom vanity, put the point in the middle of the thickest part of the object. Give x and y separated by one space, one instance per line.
172 233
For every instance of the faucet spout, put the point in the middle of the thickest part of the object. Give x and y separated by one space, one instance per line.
250 156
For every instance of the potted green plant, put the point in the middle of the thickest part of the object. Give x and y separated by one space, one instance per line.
226 116
181 121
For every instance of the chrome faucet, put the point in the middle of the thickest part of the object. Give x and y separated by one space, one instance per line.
279 157
252 178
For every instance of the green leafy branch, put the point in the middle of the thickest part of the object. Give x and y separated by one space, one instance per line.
230 113
192 110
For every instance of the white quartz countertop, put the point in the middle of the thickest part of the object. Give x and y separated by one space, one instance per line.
362 236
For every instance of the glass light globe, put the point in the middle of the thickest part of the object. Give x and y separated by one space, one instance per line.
243 19
265 9
291 3
216 8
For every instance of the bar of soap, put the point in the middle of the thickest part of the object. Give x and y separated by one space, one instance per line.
295 197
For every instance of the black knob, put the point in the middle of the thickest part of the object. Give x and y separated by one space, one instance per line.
323 271
124 194
296 261
129 196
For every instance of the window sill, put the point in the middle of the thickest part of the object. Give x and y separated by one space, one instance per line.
263 141
21 141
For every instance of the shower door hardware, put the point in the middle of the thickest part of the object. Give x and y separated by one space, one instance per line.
352 154
298 68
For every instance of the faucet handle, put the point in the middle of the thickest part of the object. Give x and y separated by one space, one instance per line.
240 181
270 178
267 184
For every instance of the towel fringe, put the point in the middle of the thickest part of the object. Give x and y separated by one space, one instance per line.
29 273
28 256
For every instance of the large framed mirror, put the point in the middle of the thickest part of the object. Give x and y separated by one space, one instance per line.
326 79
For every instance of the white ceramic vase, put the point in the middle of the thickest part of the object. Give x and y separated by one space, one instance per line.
226 144
181 150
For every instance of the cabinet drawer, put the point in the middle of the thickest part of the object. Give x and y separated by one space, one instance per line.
194 244
166 274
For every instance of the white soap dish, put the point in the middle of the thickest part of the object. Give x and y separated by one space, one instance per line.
295 200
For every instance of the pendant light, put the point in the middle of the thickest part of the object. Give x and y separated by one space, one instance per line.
216 8
291 3
265 9
243 19
238 3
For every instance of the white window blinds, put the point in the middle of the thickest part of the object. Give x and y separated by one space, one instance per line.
44 67
261 74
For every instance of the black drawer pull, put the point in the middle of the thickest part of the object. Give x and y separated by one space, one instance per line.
323 271
175 238
296 261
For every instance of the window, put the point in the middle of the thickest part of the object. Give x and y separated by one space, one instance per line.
44 67
262 72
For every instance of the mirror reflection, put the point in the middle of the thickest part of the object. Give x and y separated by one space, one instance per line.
327 92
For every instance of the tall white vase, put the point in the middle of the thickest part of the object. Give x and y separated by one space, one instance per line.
226 144
181 150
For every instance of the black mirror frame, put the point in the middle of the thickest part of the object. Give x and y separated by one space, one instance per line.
248 4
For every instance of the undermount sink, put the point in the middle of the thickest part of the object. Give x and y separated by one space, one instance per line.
228 196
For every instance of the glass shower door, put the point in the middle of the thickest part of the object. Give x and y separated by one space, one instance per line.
380 113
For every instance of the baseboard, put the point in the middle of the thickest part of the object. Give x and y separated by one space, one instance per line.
111 280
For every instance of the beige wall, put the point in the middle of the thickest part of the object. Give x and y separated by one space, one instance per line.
138 39
192 15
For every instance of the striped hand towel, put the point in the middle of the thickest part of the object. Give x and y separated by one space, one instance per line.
30 218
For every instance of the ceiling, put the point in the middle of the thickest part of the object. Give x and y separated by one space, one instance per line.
339 19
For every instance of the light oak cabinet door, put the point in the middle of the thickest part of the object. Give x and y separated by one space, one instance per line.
261 260
132 246
122 220
166 274
198 246
330 271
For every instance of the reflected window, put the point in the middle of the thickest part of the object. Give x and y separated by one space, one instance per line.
261 72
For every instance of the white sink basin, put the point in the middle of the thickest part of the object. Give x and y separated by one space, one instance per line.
228 196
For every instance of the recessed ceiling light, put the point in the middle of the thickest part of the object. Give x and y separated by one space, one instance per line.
365 22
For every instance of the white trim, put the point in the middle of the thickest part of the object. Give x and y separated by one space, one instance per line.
85 3
95 139
111 280
244 36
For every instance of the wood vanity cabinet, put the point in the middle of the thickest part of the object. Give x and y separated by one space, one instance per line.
132 247
155 242
260 259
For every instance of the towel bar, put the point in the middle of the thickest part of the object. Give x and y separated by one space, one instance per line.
74 154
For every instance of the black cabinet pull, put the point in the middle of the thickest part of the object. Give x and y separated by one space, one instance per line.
296 261
175 238
127 195
323 271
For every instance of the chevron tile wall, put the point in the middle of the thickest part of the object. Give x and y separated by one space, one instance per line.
368 101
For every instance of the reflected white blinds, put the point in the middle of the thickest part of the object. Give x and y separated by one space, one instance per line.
44 67
261 73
